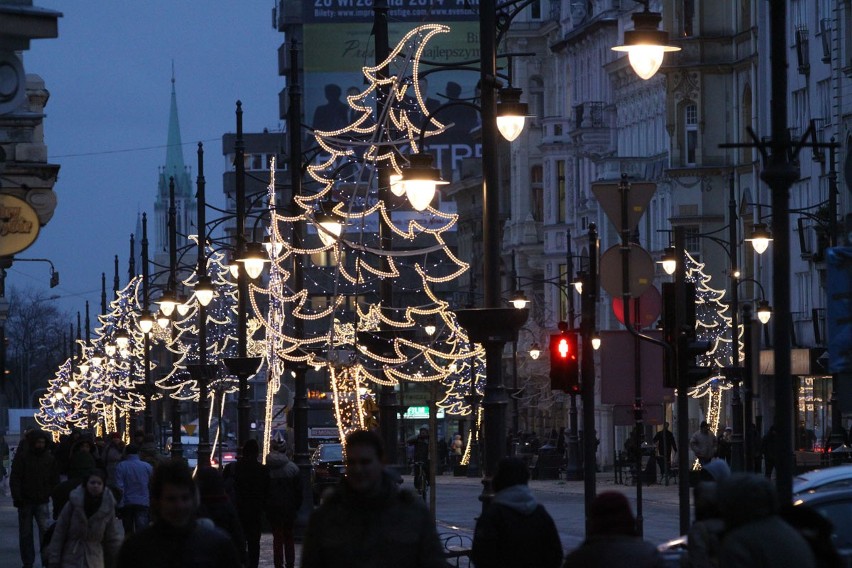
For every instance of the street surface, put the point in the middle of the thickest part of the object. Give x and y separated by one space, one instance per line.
458 506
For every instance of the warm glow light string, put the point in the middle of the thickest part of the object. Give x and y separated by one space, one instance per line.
711 324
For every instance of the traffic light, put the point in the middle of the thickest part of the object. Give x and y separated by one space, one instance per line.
687 350
564 362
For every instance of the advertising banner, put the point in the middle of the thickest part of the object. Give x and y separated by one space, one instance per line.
337 47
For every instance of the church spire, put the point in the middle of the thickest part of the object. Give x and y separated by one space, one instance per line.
174 151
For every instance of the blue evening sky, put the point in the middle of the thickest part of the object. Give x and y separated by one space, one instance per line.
109 77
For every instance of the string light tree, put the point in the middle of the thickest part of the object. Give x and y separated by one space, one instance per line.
711 325
366 342
57 410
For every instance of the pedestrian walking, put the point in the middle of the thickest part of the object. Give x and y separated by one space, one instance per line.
217 506
705 534
611 541
87 533
457 447
515 530
34 475
666 447
80 465
703 444
111 456
251 487
177 539
368 521
756 536
132 477
285 498
769 449
723 445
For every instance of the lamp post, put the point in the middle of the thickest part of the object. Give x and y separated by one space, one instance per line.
146 341
171 288
587 372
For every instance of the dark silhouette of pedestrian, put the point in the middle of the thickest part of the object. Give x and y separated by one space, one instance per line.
769 449
703 443
334 114
177 538
251 487
367 520
34 475
132 477
216 506
705 534
611 539
282 507
756 536
515 530
666 447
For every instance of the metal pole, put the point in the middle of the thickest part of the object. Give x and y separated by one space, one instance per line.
836 438
682 386
780 174
202 377
300 394
177 445
573 466
748 388
243 404
589 307
146 340
737 457
388 405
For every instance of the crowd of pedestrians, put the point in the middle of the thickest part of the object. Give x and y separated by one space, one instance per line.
128 506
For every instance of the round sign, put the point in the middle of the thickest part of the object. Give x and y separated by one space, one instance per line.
18 225
641 269
644 312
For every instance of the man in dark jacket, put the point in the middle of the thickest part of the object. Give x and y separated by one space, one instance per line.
367 521
282 506
251 487
515 530
177 539
756 535
34 475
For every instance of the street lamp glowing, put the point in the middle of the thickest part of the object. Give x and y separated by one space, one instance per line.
578 282
430 328
760 238
764 311
330 225
519 300
511 113
669 260
97 358
182 305
84 368
233 267
535 351
253 260
596 341
397 187
122 340
72 384
162 320
167 302
421 180
273 248
145 322
645 44
110 349
204 290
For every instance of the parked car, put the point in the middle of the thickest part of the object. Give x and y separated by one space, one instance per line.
326 468
836 506
823 479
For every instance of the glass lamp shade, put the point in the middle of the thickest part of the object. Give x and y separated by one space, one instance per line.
125 353
578 284
519 300
273 248
167 302
163 321
535 351
645 44
204 290
64 389
145 322
183 306
596 341
234 268
110 349
669 260
72 384
122 340
253 260
760 238
397 187
84 368
511 113
331 225
764 311
97 358
430 329
421 180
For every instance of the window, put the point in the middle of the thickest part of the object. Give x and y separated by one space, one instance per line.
535 10
824 100
561 196
692 241
256 161
688 17
536 97
804 282
564 282
746 153
537 193
800 110
690 135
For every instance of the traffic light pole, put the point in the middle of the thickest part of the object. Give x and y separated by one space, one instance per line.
588 324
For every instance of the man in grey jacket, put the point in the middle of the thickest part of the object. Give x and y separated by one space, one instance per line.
703 444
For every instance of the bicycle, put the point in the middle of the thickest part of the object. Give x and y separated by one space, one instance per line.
421 479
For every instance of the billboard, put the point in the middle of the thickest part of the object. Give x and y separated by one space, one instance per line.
338 43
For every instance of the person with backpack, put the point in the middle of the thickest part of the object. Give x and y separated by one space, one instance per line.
282 506
87 534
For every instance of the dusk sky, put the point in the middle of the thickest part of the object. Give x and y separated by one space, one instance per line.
109 77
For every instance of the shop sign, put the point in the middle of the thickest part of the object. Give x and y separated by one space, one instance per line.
19 225
420 412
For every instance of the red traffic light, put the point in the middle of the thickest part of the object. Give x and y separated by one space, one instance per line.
563 348
564 362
